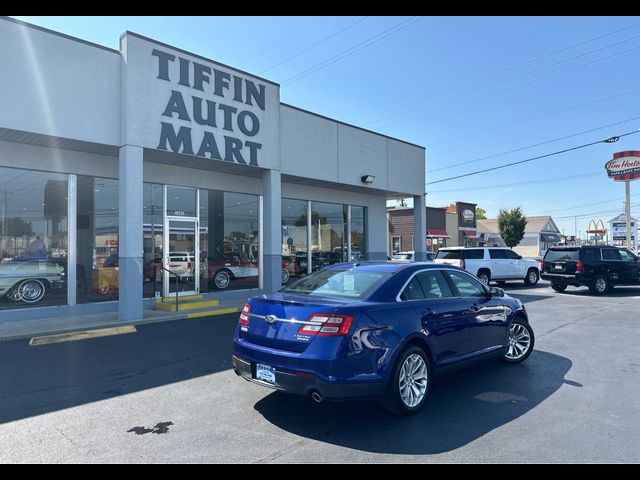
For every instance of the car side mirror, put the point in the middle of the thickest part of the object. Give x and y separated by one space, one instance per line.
496 292
519 257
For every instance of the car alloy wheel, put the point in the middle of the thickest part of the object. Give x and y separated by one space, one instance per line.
532 277
284 276
222 279
484 278
413 380
31 291
409 383
600 285
521 342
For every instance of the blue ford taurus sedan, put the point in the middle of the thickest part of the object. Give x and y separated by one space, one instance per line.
376 329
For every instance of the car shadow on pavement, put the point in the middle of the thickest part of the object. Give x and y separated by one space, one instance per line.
526 298
42 379
619 292
462 407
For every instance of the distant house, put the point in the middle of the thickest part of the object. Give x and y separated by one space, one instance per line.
540 233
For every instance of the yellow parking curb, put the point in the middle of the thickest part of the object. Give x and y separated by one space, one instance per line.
84 335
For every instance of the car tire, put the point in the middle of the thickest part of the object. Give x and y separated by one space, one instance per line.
32 290
409 382
521 341
532 277
484 276
284 276
558 287
600 285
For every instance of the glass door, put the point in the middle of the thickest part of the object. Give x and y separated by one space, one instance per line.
181 257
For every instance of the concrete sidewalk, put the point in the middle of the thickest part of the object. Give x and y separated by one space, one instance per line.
55 325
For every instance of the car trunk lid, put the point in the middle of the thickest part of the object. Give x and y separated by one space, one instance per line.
275 319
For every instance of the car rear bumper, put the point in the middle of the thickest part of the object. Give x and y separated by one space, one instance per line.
563 278
304 383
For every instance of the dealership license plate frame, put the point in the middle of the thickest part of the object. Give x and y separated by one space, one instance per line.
266 373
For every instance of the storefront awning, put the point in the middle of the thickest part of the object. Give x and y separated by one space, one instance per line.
550 237
437 233
471 234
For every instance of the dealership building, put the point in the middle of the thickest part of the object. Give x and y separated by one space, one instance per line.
130 174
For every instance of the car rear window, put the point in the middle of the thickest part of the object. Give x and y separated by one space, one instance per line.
562 255
475 254
448 254
350 283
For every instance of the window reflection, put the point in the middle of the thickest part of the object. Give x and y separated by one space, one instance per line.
294 239
229 241
33 238
328 234
97 239
152 240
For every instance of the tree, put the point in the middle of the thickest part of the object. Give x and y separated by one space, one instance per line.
17 227
511 224
481 213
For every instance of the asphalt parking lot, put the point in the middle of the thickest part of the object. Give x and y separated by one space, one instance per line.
167 394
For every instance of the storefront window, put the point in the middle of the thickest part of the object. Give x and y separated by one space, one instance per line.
152 240
181 201
97 239
328 234
33 238
229 241
358 247
294 239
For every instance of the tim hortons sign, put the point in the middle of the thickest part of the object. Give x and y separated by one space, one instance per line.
624 166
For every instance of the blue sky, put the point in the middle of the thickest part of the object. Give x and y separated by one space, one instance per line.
466 88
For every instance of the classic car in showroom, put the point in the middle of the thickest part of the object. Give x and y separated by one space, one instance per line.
29 280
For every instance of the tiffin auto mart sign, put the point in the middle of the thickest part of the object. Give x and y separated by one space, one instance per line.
624 166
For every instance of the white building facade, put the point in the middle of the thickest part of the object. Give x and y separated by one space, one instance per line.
135 173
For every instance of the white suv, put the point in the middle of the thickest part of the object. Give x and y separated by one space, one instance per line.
491 263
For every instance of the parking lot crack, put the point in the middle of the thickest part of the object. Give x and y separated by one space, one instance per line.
282 452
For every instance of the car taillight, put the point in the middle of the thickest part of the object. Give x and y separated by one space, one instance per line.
327 325
189 265
244 315
578 266
542 265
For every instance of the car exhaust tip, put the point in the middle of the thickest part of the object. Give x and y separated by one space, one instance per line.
316 397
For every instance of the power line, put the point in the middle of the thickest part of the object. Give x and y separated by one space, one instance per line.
544 77
477 172
314 45
279 41
453 97
530 182
587 204
537 117
475 80
368 42
590 214
538 144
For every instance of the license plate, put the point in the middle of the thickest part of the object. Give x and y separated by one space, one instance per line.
266 373
557 267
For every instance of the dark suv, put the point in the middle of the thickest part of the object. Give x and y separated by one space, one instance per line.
599 268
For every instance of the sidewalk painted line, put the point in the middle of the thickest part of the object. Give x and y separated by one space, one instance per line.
213 312
85 335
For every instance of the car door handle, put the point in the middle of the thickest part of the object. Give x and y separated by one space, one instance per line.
474 309
426 312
